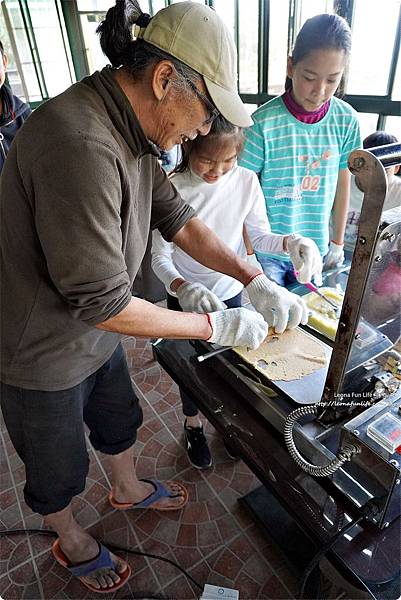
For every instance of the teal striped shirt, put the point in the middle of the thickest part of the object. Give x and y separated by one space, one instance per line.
298 165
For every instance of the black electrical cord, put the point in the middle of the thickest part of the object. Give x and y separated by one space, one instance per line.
371 508
110 546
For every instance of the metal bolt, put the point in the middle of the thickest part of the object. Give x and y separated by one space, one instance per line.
388 236
386 524
356 432
362 240
342 324
357 336
378 258
359 162
394 463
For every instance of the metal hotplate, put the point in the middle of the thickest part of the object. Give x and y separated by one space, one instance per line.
306 390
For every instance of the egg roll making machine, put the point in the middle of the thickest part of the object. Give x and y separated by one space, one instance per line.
326 447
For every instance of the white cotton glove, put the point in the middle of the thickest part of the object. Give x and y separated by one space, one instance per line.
335 256
237 327
305 257
195 297
280 308
252 260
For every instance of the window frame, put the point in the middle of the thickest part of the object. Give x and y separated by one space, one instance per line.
381 105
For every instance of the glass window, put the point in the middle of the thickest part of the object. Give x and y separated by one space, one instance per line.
47 37
50 45
157 5
396 95
89 23
20 71
251 108
393 125
13 76
31 81
373 38
310 8
278 45
367 123
96 5
248 46
226 10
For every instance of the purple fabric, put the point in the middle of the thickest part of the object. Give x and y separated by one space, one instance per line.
300 113
102 561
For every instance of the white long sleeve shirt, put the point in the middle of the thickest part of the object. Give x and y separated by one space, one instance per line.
225 206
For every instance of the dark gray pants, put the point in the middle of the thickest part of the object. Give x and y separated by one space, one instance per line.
47 430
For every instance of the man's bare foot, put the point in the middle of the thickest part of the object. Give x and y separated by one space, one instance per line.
85 549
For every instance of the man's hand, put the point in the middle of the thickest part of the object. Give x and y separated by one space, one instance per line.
305 257
280 308
195 297
335 256
237 327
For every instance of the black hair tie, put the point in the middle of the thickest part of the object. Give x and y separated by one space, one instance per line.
143 20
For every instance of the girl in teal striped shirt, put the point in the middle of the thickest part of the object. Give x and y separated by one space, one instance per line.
300 142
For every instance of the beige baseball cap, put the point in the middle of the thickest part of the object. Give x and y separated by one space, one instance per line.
195 34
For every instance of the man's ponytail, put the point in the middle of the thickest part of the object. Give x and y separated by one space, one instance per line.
115 31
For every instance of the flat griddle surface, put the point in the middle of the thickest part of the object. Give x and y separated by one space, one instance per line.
306 390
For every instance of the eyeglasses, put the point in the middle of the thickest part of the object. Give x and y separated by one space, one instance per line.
212 110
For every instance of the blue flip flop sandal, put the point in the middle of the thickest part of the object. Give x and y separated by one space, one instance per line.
160 492
83 569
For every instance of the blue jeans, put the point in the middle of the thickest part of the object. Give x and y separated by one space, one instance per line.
279 271
189 407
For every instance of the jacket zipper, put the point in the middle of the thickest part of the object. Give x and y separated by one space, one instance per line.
3 150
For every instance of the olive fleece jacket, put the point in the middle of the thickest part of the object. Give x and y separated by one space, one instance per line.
80 191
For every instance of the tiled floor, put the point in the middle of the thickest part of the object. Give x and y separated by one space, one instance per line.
213 538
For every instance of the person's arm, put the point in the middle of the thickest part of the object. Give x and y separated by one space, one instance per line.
247 241
351 141
202 244
142 318
257 224
341 206
335 255
163 264
192 296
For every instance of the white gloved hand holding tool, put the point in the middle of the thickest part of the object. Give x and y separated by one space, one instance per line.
280 308
335 256
195 297
237 327
305 257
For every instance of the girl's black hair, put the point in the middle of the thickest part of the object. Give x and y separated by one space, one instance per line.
136 55
220 128
322 32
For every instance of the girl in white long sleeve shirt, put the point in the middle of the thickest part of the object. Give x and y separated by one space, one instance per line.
234 200
226 197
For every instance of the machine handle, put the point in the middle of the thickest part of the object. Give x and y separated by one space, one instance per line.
389 155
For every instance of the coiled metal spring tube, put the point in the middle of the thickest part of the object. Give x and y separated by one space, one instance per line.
345 454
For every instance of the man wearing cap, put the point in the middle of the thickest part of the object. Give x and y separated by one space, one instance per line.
80 191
